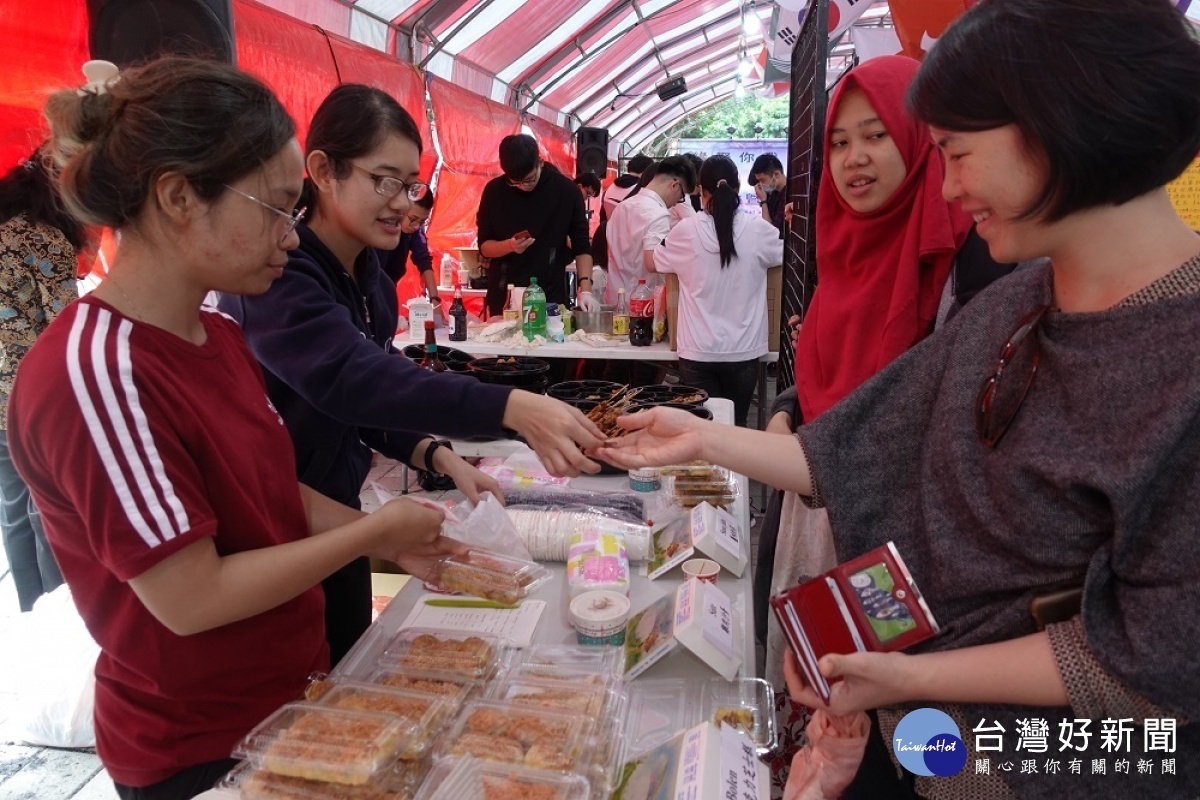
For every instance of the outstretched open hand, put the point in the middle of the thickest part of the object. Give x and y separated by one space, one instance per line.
654 438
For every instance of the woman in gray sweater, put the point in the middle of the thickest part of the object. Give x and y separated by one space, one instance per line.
1046 438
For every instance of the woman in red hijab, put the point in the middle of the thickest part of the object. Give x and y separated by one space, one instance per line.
886 240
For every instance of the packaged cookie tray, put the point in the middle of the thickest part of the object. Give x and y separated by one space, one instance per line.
327 744
428 712
595 701
695 471
252 783
489 575
539 738
684 485
475 656
453 690
470 778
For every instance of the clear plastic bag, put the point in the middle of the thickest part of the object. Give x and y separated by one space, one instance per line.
54 677
486 525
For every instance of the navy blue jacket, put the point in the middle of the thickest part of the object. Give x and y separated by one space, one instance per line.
395 262
324 343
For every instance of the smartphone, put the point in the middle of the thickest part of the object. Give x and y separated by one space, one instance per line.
521 235
1057 606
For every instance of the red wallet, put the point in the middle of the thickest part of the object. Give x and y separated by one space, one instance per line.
869 603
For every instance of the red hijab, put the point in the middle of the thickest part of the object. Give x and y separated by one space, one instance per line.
880 275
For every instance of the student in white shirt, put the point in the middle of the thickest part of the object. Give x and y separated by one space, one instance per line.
691 203
641 222
721 257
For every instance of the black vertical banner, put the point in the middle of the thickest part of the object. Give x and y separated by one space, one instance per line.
806 127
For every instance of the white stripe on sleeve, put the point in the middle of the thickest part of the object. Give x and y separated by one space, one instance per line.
125 370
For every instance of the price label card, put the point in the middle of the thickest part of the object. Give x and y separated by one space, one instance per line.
718 620
739 766
691 765
728 534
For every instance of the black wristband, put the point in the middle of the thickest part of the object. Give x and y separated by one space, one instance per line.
429 451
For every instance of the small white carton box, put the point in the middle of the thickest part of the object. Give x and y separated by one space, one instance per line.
716 534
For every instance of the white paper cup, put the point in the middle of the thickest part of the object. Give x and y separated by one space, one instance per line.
599 617
704 569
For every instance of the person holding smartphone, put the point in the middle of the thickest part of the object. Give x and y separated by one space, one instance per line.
531 224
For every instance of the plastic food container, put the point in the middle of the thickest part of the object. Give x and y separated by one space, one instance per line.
453 690
472 779
573 657
646 479
657 710
428 712
599 617
591 700
489 575
332 745
468 655
533 737
259 784
748 705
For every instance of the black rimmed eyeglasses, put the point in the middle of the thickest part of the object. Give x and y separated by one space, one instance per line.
1003 393
390 186
293 219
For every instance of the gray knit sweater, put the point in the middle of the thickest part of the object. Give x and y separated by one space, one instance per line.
1097 482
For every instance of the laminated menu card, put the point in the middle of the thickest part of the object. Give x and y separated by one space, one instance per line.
670 546
698 616
868 604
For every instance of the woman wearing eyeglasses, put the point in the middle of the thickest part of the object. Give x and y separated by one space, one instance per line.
323 336
141 424
1046 439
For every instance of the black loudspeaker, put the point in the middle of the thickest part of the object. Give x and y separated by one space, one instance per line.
671 88
592 151
126 32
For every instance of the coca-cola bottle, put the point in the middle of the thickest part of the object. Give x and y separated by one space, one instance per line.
641 315
431 361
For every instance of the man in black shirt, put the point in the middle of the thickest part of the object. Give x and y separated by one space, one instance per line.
770 186
545 207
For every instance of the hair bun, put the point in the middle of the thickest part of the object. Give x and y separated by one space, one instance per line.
722 182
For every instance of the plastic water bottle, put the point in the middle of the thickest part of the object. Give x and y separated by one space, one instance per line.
533 311
554 324
641 315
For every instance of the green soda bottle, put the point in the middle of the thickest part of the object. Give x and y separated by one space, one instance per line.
533 311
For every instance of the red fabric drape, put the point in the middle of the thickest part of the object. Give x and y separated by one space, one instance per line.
453 222
297 61
46 44
288 55
360 64
557 144
470 128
